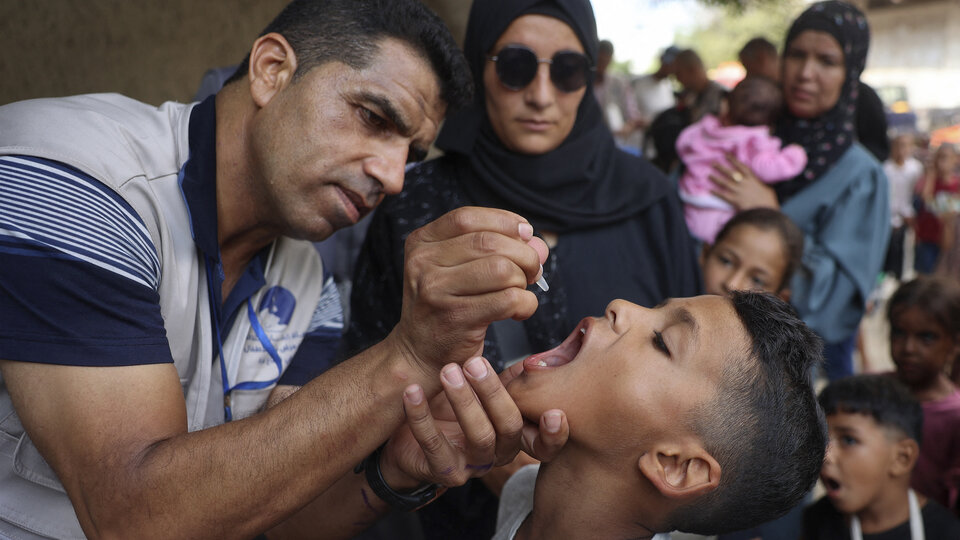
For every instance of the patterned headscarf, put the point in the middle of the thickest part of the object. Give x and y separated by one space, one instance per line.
828 136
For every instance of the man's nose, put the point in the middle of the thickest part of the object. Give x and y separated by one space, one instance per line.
388 167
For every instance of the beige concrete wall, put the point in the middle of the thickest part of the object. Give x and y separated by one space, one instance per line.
152 50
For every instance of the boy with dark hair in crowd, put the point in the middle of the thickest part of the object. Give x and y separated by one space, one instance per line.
875 430
697 415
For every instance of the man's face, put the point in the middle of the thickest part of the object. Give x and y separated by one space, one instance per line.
859 458
328 147
630 378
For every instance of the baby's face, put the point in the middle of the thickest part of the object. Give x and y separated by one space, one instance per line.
747 259
633 375
859 457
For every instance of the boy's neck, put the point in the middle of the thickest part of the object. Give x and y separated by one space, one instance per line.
575 499
891 509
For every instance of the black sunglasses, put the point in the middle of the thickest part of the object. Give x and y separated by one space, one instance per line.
517 66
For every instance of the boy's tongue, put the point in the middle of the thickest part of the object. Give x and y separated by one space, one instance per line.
561 355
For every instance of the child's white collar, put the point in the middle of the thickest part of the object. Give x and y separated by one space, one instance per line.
916 521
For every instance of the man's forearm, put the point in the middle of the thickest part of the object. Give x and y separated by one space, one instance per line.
232 481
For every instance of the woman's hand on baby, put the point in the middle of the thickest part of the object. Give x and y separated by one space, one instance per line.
737 184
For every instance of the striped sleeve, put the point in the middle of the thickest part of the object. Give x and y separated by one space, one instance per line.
80 274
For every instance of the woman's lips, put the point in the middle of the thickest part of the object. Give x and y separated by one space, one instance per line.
562 354
534 124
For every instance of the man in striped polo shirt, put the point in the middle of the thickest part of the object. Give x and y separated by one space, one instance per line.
163 313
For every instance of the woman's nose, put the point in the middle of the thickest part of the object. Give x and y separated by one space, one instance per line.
540 93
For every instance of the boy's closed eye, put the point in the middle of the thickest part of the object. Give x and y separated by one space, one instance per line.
659 343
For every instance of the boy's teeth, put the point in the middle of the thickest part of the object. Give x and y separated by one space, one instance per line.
541 363
583 331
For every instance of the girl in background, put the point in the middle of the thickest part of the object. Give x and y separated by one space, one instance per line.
924 317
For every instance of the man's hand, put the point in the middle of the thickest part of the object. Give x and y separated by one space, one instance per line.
463 271
467 430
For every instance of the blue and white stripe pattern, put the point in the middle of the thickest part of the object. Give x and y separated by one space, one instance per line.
328 316
50 210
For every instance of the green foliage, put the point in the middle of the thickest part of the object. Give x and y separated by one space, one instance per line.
734 22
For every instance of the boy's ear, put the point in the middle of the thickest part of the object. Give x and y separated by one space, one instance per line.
905 454
272 65
681 471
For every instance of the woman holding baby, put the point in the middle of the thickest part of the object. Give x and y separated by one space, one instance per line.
840 199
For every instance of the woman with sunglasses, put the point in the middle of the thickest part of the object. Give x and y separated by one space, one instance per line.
535 143
840 200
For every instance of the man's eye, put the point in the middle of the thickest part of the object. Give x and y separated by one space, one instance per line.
759 283
659 343
724 260
373 119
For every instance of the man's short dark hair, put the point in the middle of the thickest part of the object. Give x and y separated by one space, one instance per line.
768 219
756 47
880 397
688 58
605 47
764 427
350 31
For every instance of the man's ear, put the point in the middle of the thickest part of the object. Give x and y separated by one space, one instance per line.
272 65
784 294
681 471
905 454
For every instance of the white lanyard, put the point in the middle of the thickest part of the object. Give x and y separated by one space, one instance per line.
916 521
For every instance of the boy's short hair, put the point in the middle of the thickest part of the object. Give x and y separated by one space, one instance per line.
880 397
767 219
755 101
764 427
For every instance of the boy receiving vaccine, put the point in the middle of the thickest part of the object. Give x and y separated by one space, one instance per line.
875 437
697 415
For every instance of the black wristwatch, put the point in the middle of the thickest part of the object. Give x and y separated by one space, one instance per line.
406 502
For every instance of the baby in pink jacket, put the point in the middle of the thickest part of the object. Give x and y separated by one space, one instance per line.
743 130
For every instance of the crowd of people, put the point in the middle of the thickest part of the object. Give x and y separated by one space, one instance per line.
602 312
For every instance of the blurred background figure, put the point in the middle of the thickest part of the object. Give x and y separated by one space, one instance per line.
940 185
653 94
615 96
903 172
759 57
700 94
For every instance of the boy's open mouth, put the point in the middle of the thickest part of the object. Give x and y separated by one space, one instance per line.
831 485
562 354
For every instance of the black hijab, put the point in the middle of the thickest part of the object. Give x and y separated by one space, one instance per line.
586 181
828 136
